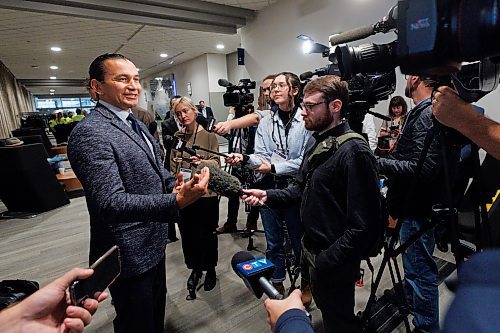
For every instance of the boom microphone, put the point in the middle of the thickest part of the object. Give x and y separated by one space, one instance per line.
224 83
386 24
208 124
331 69
352 35
255 273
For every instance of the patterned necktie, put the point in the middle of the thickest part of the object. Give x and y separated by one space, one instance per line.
135 125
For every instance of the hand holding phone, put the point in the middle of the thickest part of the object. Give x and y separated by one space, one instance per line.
106 269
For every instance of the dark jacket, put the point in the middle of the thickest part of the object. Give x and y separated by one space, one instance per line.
425 190
340 206
126 188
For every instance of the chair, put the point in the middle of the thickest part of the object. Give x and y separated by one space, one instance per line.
36 131
62 132
27 183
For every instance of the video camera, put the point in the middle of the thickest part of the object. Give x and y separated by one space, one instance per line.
434 37
365 90
237 95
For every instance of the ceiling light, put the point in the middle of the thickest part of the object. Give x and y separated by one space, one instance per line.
56 48
54 67
53 78
220 46
138 69
159 78
35 67
52 90
163 55
171 62
51 93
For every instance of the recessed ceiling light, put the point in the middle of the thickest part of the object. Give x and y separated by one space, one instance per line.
163 55
35 67
220 46
159 78
53 78
138 69
171 62
52 90
54 67
56 48
51 93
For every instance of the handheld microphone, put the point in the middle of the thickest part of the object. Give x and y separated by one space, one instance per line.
222 182
209 123
245 156
255 273
180 145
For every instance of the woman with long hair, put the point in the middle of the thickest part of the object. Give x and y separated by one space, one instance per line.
390 130
200 219
279 148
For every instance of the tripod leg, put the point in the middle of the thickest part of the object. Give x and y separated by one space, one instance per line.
397 283
365 318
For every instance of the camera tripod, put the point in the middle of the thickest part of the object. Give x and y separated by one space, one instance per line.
448 215
248 179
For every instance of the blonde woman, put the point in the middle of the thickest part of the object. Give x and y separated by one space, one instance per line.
198 221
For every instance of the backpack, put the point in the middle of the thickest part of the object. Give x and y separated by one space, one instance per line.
329 147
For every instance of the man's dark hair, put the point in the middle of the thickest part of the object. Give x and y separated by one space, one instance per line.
96 69
332 88
78 111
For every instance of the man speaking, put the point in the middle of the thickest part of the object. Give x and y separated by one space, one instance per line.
340 208
129 193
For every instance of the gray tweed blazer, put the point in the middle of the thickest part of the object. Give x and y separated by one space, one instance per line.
127 190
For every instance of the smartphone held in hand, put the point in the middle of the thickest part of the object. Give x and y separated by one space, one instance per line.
106 269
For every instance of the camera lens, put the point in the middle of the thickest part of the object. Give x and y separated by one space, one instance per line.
366 58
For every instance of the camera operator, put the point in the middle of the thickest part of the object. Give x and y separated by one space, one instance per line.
411 205
279 147
224 127
337 186
452 111
243 142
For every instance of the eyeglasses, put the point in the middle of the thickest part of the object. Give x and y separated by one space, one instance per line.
310 106
280 86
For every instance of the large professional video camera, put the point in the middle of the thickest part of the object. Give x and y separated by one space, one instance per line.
365 91
434 37
237 95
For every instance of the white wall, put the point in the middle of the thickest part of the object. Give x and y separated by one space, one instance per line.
217 69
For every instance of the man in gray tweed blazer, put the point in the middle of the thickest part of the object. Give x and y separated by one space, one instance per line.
130 196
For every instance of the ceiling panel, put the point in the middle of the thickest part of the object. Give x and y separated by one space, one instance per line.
27 37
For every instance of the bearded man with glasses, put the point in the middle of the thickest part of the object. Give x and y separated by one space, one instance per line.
337 186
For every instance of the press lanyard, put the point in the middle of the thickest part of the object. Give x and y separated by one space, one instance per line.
289 124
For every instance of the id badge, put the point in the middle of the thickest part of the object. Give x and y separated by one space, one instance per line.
186 173
277 157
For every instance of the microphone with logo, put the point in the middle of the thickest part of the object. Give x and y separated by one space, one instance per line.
209 123
255 273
